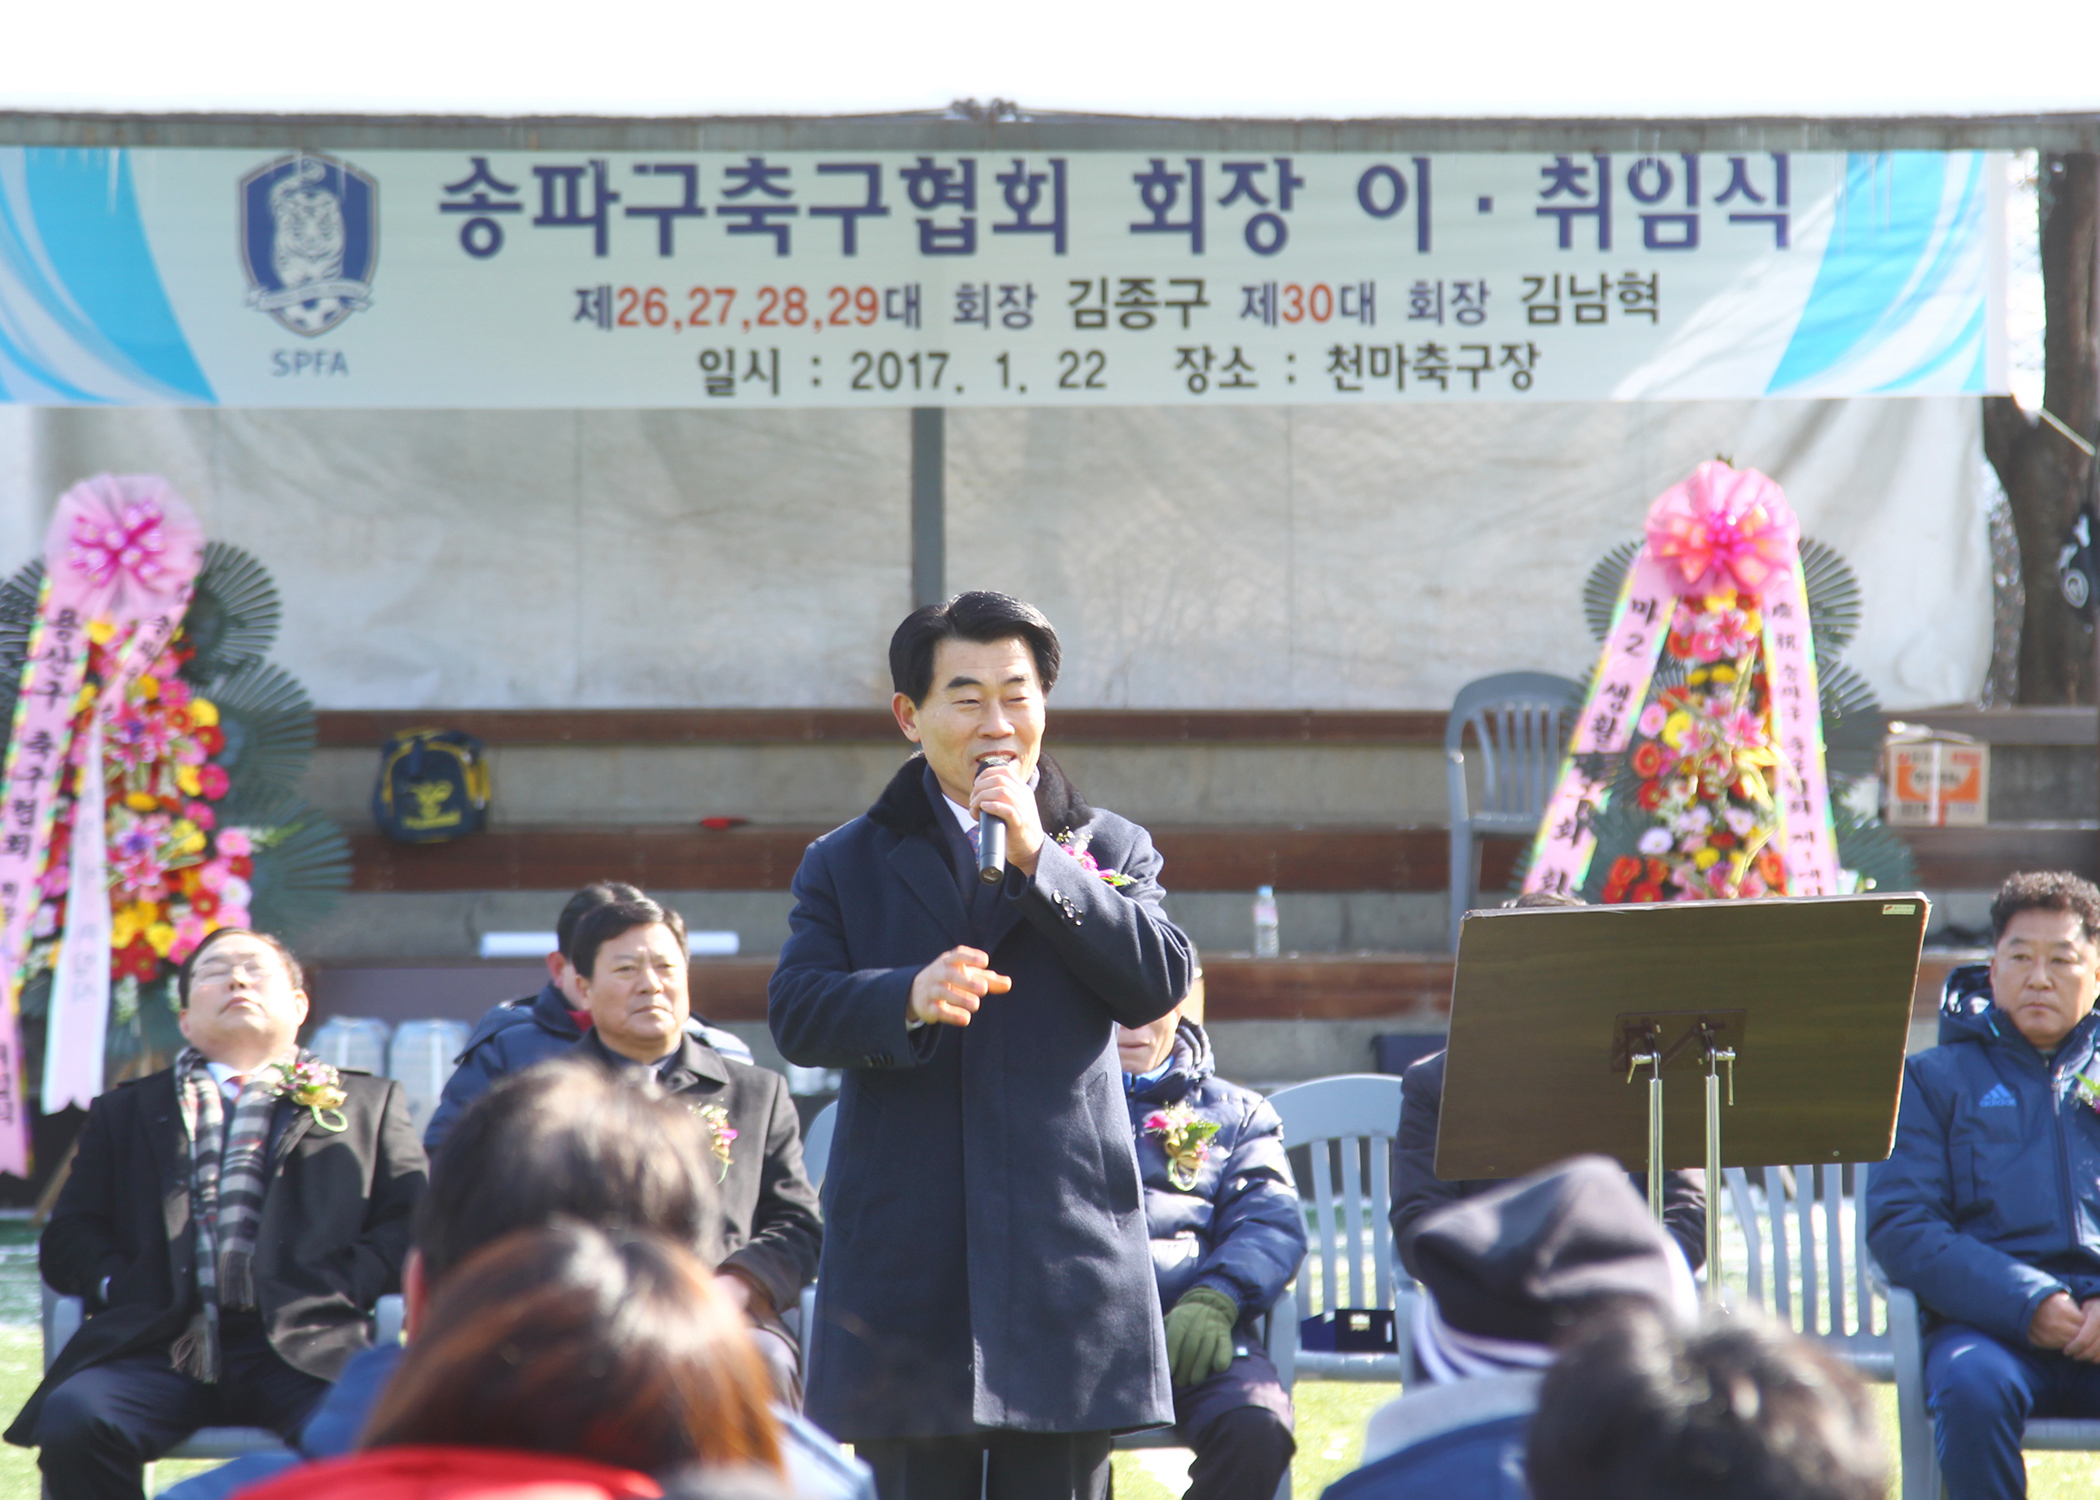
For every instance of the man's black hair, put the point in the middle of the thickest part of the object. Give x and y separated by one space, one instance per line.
1739 1410
567 1139
980 616
2046 890
602 924
598 893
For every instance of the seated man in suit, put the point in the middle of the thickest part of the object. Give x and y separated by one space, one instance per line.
1989 1207
1418 1191
630 959
518 1033
229 1222
1227 1237
563 1140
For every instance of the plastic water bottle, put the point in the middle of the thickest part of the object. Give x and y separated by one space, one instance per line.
1265 943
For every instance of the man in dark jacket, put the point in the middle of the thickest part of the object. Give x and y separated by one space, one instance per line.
987 1287
1227 1237
518 1033
1989 1207
229 1227
561 1140
630 962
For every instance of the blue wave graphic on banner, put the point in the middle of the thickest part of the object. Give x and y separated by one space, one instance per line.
1901 292
84 317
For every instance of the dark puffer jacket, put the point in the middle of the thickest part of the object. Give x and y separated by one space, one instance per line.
1239 1229
513 1036
1991 1200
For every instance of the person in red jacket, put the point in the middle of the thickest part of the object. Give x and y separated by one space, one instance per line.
561 1363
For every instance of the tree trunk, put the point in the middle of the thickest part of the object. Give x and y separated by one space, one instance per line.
2045 476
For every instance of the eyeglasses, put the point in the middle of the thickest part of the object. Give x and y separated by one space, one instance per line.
221 971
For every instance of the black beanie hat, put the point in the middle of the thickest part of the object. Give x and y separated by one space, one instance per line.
1527 1259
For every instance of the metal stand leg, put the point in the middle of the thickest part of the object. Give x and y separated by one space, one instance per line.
1655 1130
1714 1058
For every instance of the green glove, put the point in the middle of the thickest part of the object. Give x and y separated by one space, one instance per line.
1199 1335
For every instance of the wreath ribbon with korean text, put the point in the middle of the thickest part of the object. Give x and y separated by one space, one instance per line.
120 561
1723 539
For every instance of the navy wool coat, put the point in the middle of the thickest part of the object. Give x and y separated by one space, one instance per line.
985 1262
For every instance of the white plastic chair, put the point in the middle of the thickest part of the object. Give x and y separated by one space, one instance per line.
1801 1241
816 1158
62 1317
1519 724
1921 1462
1348 1123
420 1057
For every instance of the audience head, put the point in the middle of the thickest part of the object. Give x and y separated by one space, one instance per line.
1638 1409
1142 1048
564 1139
970 678
1511 1273
611 1346
243 997
1533 900
2045 962
630 959
598 893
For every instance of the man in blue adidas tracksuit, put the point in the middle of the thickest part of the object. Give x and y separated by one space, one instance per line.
1989 1208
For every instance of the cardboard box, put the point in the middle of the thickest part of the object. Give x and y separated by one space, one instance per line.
1935 778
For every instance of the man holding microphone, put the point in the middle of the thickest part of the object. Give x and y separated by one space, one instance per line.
986 1313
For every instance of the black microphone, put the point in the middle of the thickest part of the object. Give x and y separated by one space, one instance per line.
991 833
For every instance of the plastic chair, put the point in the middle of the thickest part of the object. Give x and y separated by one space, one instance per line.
62 1317
1807 1240
1921 1463
1349 1120
816 1143
1519 722
421 1057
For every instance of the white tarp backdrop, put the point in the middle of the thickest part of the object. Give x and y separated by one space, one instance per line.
1261 557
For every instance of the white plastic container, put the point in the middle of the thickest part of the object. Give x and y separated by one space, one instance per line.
1266 944
420 1060
357 1042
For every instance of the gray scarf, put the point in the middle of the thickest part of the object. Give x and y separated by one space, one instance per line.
228 1176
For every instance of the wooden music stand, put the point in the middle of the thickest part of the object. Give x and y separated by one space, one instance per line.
1798 1009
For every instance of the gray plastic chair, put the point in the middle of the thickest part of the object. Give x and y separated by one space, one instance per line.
1519 722
1347 1122
816 1158
1921 1462
1801 1246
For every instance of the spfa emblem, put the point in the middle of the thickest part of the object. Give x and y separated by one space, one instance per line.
309 240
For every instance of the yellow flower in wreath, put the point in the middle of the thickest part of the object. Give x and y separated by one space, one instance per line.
186 778
128 921
203 712
162 937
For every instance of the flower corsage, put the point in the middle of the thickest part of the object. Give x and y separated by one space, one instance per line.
1186 1140
315 1086
720 1133
1075 844
2088 1092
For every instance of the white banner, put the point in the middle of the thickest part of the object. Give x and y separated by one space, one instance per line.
513 279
